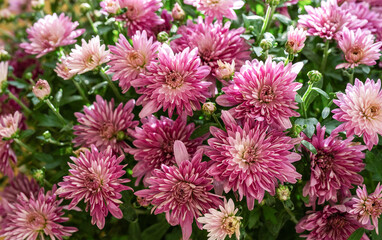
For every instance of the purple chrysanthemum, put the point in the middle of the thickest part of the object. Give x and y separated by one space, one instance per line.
128 61
36 218
176 81
96 179
183 191
51 32
251 159
264 92
334 168
104 126
154 143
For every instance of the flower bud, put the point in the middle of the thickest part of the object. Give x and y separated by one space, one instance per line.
209 108
266 44
178 13
143 202
41 89
162 37
296 40
225 70
273 2
85 7
39 175
4 55
47 135
6 15
314 76
3 76
38 5
283 193
120 135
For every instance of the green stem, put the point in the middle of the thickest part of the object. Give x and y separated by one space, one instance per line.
325 57
21 144
286 60
80 90
92 23
217 121
13 97
351 76
304 100
292 216
106 77
55 111
265 23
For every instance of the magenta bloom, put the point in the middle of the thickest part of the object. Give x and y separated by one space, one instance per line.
251 159
140 15
332 223
362 11
7 156
154 143
104 126
328 21
183 191
263 92
334 168
214 42
176 81
96 179
359 48
367 206
36 217
360 110
217 8
51 32
128 61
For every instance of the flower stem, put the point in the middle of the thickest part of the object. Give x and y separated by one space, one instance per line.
292 216
92 23
325 57
351 76
217 121
106 77
268 15
18 101
55 111
80 90
23 145
305 99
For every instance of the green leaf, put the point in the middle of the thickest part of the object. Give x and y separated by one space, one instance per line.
269 214
282 18
365 69
298 98
26 133
135 231
309 146
205 128
254 21
357 234
322 92
325 113
156 231
374 166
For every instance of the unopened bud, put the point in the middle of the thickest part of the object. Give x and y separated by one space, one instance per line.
38 5
4 55
178 13
225 70
3 76
47 135
39 175
121 136
6 15
283 193
41 89
209 108
273 2
162 36
314 76
85 7
266 44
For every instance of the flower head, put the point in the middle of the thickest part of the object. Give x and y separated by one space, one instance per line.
110 6
42 89
104 126
264 92
10 124
176 81
368 206
96 179
251 159
182 191
221 223
334 168
20 6
127 61
177 12
360 110
88 56
225 71
36 217
62 69
296 40
51 32
3 74
154 143
359 48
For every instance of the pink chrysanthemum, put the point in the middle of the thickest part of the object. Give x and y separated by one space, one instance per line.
296 40
62 69
51 32
88 56
217 8
359 48
214 42
154 143
360 110
332 223
128 61
104 126
20 6
362 11
176 81
140 15
263 92
329 20
10 124
368 206
3 73
36 218
334 168
7 155
251 159
183 191
110 6
221 223
96 178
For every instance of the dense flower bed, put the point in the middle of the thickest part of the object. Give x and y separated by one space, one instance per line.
194 119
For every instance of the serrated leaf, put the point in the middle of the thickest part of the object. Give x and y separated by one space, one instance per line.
322 92
325 113
357 234
309 146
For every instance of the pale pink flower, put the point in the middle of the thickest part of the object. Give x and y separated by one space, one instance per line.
3 73
41 89
51 32
62 69
359 48
368 206
110 6
10 124
296 40
328 21
217 8
334 168
36 217
128 61
362 11
221 223
360 110
182 191
20 6
104 125
225 71
176 81
88 56
251 159
96 179
263 92
177 12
